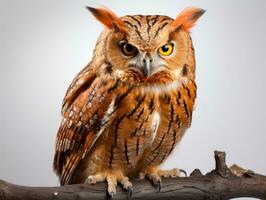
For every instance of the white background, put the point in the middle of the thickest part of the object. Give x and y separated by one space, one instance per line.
43 44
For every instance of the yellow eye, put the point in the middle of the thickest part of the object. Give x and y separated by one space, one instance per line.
166 50
128 49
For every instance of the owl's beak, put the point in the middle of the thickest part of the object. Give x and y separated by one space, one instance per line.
146 66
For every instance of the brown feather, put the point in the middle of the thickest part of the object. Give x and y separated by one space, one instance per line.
187 18
107 18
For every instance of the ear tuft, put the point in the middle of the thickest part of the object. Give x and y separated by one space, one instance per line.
108 18
187 18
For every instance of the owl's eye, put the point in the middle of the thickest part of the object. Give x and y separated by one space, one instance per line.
167 49
128 49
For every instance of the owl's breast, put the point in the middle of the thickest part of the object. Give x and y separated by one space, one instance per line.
142 108
142 113
130 131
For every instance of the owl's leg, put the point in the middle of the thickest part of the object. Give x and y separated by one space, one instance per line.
112 178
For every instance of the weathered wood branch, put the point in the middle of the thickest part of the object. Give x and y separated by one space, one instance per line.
221 183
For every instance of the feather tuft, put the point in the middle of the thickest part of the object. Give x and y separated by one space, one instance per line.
187 18
108 18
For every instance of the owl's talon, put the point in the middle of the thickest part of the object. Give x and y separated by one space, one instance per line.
93 179
154 175
111 193
160 186
170 173
127 185
112 178
183 171
129 193
112 183
155 178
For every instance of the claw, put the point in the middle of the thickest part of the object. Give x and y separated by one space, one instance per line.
183 171
160 185
127 185
155 178
110 195
129 193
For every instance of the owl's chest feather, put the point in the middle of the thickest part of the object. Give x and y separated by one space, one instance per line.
144 111
149 120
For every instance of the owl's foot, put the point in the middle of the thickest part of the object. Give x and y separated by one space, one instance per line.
154 174
112 179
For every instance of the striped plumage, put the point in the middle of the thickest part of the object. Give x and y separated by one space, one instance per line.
124 113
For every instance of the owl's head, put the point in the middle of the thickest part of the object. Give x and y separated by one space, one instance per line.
147 48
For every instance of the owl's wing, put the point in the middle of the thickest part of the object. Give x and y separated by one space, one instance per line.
87 108
81 82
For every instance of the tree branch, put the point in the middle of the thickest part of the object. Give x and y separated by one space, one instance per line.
221 183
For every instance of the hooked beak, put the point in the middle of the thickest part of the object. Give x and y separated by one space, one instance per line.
146 65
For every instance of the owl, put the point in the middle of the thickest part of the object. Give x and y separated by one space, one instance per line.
126 111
